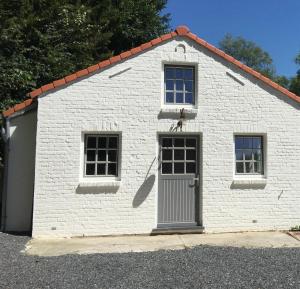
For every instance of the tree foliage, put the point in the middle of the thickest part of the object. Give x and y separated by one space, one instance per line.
43 40
295 81
253 56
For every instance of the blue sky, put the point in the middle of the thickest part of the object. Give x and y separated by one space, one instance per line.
273 24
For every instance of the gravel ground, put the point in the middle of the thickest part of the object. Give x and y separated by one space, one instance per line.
201 267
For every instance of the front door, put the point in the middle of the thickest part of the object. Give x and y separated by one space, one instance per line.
178 181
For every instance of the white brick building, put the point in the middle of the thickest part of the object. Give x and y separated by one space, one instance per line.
104 151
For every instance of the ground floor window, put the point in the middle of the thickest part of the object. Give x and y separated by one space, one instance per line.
101 155
249 154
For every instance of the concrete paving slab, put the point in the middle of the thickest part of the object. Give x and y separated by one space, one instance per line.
124 244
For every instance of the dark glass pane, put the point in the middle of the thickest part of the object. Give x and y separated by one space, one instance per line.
102 142
258 167
91 155
189 98
248 155
167 142
239 142
169 73
191 142
113 142
179 85
101 155
256 142
170 97
112 169
90 169
178 168
112 156
189 86
239 155
191 155
179 97
179 142
178 154
239 168
179 73
190 168
249 167
167 155
248 142
100 169
166 168
91 142
170 85
188 74
257 155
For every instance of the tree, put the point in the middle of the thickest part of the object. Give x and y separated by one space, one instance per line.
295 81
44 40
253 56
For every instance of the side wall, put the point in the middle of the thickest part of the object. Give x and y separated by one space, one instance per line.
20 178
127 99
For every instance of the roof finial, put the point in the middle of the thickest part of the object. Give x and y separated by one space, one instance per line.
182 30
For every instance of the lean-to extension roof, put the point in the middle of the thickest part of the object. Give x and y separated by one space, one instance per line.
182 31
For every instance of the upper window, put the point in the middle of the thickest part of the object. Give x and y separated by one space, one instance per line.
101 155
249 155
179 85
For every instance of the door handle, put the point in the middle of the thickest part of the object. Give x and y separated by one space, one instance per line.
196 179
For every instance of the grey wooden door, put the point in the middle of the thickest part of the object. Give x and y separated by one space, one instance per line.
178 181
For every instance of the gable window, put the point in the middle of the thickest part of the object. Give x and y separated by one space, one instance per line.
179 85
249 155
101 155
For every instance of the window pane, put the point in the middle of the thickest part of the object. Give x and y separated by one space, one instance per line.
257 155
179 73
239 155
112 169
167 155
112 156
189 86
169 97
102 142
100 169
170 85
191 142
256 142
178 168
91 155
240 168
189 98
190 168
179 97
113 142
90 169
188 74
179 142
248 155
179 85
258 167
191 155
101 155
91 142
166 168
249 167
178 154
247 142
239 141
167 142
170 73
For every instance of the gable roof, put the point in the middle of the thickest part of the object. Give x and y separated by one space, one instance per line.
179 31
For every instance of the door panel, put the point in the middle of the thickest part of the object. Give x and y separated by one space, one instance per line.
177 189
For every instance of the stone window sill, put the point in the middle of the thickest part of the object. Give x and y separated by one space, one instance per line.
172 110
249 183
99 184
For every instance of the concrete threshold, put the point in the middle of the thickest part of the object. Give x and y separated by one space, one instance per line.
126 244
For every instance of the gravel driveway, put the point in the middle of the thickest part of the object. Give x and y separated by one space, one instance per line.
200 267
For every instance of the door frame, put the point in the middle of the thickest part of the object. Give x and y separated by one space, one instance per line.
198 189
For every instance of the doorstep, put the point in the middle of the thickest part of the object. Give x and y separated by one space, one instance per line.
177 230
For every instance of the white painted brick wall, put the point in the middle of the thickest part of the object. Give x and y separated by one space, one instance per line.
130 103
